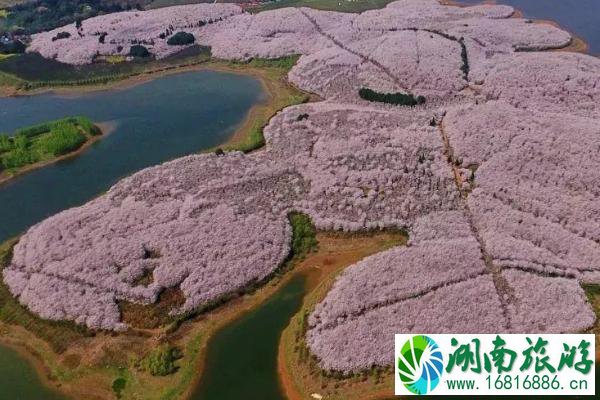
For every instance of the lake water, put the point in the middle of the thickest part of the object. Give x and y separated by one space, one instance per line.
19 380
241 360
153 122
580 17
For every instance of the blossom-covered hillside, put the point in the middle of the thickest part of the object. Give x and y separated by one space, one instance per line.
495 176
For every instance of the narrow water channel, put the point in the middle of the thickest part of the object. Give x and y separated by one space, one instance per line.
241 361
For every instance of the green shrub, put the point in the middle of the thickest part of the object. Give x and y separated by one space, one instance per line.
87 125
161 360
18 158
137 50
34 130
303 233
6 143
20 142
181 39
465 68
61 35
65 138
118 386
398 98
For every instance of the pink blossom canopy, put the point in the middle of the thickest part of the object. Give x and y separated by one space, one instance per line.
496 178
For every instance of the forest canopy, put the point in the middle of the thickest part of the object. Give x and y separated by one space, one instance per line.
42 15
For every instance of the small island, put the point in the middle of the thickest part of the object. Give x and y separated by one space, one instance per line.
35 146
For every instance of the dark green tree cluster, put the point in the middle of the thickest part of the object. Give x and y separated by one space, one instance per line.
137 50
14 46
118 386
161 360
304 235
402 99
181 39
465 68
61 35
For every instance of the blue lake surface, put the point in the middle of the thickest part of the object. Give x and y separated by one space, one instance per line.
153 122
580 17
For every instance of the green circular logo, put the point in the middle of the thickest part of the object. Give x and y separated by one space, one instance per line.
420 364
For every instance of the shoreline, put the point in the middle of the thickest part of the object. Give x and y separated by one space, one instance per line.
127 82
310 267
105 127
277 93
234 310
337 252
31 357
576 45
266 108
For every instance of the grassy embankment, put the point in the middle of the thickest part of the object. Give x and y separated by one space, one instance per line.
41 144
31 71
593 295
351 6
299 371
273 75
302 376
149 363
